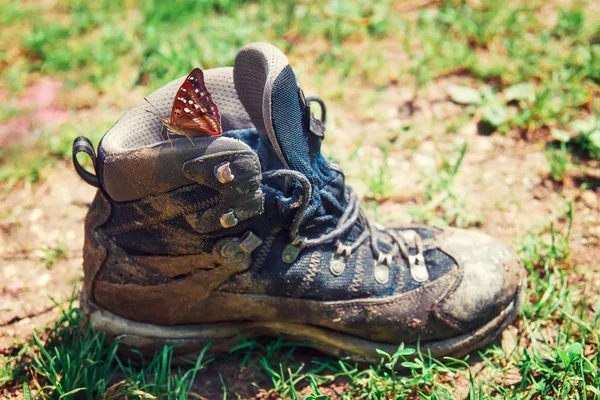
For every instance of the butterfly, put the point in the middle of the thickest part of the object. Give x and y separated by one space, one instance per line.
194 112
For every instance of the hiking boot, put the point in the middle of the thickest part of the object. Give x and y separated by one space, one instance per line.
199 240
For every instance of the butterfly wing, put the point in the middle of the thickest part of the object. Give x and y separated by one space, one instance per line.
194 111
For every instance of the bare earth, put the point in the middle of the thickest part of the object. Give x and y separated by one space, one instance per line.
503 180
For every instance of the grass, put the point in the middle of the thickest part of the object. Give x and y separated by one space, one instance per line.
533 74
528 71
67 363
53 253
444 204
555 355
562 361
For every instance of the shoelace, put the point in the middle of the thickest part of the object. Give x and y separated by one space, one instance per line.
351 214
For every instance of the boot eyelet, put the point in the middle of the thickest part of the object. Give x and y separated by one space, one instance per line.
229 249
381 272
418 269
223 173
234 250
229 220
292 250
290 254
249 242
337 266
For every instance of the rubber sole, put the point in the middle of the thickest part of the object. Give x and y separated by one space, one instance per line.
189 340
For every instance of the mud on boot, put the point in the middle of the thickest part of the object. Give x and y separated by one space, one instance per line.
200 240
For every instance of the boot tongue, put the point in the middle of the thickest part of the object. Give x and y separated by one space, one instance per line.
267 87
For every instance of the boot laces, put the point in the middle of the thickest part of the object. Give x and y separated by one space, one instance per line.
350 215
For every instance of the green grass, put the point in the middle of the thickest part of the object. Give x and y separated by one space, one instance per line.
54 253
561 361
555 355
115 46
68 363
65 362
558 161
444 204
513 70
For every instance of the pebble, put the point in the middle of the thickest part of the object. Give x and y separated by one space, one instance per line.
590 199
14 288
37 254
424 161
35 215
43 279
9 271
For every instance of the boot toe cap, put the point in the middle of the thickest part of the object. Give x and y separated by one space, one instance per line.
491 276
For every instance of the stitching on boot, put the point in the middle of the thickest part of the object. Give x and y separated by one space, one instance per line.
169 214
311 273
264 250
360 270
120 269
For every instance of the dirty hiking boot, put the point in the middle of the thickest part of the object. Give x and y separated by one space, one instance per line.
211 240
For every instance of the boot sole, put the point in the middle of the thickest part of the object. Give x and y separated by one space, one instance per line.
189 340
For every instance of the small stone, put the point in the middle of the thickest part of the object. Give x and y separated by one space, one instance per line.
35 215
37 254
424 161
9 271
590 199
414 323
15 288
510 339
43 280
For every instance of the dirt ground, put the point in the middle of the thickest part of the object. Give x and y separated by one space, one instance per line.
503 179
